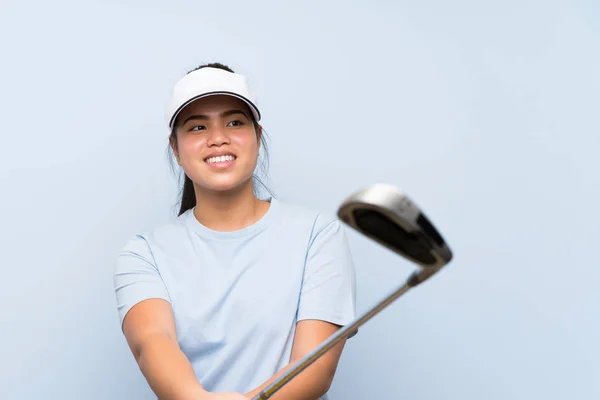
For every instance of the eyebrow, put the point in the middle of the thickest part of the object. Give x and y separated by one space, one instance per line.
222 115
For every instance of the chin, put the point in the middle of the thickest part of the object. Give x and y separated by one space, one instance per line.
224 186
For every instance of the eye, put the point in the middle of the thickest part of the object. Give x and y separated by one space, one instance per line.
236 122
197 127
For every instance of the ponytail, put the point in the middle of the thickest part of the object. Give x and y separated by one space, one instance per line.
188 196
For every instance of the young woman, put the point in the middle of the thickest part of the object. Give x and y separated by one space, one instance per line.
219 302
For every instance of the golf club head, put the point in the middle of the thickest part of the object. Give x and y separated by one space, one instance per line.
384 214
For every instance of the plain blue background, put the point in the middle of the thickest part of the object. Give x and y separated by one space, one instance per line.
486 113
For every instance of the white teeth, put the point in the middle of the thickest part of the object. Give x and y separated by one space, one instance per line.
220 159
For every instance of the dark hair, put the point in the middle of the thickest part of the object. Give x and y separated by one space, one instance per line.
187 194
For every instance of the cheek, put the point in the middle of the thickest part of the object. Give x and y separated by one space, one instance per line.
246 141
190 145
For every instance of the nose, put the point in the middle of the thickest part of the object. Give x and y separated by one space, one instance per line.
217 137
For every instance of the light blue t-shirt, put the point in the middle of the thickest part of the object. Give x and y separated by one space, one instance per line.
237 296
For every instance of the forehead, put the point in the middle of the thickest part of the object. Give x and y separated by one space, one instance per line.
215 104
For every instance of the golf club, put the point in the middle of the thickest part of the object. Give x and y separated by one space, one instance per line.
384 214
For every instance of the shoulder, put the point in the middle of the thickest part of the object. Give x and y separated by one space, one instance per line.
163 235
317 221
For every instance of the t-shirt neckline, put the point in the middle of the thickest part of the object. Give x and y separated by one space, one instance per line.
257 226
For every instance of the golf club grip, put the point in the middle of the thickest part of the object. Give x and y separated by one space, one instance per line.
334 339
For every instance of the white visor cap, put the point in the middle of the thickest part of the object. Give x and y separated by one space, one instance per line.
209 81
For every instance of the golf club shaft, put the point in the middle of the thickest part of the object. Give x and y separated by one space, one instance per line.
334 339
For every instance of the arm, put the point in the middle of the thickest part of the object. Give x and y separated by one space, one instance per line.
314 381
148 324
327 302
150 332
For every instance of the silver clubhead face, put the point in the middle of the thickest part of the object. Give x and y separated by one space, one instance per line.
384 214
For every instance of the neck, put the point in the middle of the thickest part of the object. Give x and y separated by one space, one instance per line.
230 210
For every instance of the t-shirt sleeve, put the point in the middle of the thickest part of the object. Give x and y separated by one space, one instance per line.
136 277
329 283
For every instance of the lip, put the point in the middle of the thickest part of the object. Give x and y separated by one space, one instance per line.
218 154
223 164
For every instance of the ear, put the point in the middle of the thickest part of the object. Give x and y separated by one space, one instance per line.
174 148
259 132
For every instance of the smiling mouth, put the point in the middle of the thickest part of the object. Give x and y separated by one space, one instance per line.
220 159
